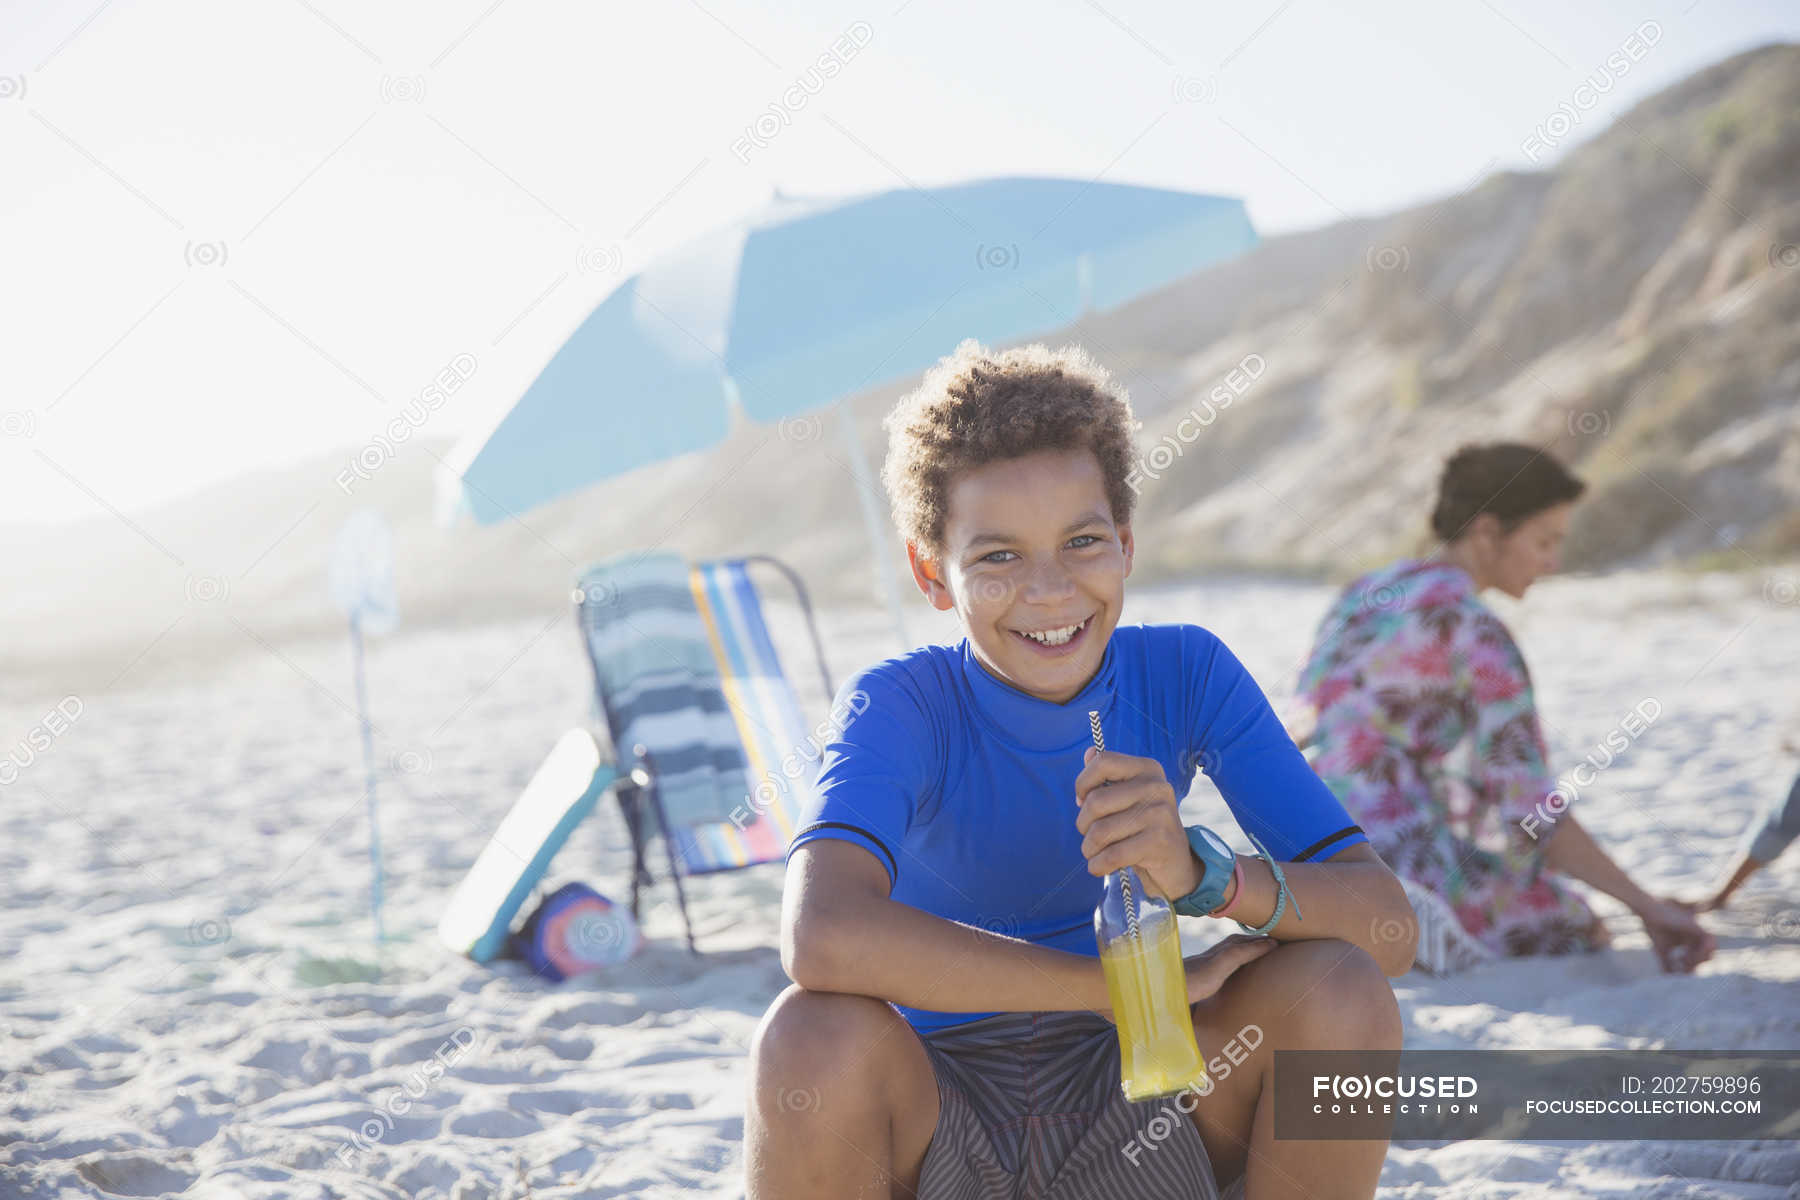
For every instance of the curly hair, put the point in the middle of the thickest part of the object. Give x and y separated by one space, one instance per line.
1509 479
978 406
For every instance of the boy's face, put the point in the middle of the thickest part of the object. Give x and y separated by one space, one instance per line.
1030 554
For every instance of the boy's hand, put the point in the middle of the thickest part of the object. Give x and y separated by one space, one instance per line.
1207 971
1129 819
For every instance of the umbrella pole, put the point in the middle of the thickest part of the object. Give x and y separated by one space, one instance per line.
881 535
368 746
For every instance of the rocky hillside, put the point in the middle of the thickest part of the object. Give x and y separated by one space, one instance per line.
1637 309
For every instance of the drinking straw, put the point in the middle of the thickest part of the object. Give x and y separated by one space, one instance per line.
1131 921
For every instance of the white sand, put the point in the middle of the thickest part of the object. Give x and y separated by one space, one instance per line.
189 996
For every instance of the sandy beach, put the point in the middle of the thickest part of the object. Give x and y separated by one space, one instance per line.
191 1002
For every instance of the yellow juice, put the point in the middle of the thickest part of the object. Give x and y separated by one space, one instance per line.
1144 979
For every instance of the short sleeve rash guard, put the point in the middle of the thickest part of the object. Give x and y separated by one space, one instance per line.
963 786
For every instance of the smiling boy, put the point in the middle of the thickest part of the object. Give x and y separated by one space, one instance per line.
947 1036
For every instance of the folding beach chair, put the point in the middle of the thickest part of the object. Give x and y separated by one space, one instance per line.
708 737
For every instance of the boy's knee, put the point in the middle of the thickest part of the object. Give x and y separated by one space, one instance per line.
813 1045
1341 998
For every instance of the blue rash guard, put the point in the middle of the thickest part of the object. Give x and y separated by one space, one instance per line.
963 786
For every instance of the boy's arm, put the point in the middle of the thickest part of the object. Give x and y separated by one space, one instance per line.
1274 793
840 932
1352 895
1130 818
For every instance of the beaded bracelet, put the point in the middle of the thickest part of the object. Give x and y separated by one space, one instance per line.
1282 894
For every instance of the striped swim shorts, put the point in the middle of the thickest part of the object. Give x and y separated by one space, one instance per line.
1029 1108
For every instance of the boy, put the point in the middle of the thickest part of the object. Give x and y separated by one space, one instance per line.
944 1036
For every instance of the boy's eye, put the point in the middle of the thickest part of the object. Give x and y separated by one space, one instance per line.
1081 541
993 556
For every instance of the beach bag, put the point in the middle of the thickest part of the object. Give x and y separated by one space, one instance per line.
576 930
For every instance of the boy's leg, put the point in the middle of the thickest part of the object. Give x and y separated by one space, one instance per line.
842 1100
1324 994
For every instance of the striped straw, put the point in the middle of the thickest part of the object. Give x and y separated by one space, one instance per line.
1131 921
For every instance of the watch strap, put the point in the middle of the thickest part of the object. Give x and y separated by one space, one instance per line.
1202 900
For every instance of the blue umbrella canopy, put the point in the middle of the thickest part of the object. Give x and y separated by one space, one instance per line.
811 300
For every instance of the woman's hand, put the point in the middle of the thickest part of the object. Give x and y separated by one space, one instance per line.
1680 942
1129 818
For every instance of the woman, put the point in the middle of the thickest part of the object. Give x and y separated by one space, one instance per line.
1409 663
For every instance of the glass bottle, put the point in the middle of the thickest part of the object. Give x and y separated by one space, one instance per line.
1140 954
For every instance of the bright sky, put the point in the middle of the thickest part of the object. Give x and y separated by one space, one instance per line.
241 233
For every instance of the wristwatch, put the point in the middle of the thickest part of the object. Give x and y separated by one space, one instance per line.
1217 861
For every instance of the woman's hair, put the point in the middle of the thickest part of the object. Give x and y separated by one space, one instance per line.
1513 481
978 406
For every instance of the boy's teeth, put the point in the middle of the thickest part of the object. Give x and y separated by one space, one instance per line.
1055 637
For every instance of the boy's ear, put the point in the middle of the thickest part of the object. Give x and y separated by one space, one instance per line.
929 575
1126 545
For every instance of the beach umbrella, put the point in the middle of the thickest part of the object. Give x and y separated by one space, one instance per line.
811 300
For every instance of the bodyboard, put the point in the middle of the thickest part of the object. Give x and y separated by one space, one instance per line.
559 797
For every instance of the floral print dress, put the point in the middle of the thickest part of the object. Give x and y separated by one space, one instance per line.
1428 733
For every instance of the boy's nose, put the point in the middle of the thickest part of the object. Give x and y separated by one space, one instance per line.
1049 582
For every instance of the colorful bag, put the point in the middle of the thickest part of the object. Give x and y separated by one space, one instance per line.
576 930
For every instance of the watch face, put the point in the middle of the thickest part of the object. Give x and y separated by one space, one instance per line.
1216 842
